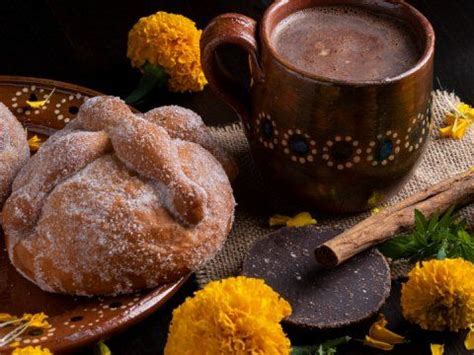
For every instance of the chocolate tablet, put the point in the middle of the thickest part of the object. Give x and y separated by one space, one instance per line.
320 298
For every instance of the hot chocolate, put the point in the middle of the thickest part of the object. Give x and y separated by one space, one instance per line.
346 43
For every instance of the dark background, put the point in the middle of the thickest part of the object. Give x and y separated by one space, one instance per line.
84 42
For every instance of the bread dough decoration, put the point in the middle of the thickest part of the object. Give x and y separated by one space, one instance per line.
117 202
14 150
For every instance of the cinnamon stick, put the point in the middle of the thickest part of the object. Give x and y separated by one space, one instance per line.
458 191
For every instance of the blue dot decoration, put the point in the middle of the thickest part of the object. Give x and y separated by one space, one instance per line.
384 149
267 128
298 145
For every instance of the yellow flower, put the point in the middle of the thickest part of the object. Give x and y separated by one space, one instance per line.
171 42
469 341
439 295
34 143
437 349
30 350
237 315
457 121
300 220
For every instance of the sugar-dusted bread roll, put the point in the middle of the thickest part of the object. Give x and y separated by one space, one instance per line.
14 150
113 204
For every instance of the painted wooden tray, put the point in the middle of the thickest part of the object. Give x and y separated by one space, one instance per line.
75 321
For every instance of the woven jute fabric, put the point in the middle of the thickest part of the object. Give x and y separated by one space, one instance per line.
443 158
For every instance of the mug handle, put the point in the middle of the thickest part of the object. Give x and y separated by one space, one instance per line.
237 30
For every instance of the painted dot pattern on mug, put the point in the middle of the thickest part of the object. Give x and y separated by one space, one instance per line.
343 151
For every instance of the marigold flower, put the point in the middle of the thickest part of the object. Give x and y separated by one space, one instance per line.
30 350
171 42
237 315
439 295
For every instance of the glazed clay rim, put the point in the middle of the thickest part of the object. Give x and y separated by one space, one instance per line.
423 22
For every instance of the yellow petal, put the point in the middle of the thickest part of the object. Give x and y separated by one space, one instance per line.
40 103
15 344
36 104
373 343
469 341
459 128
466 110
278 220
446 132
437 349
300 220
5 317
471 168
374 210
103 349
381 333
38 321
34 143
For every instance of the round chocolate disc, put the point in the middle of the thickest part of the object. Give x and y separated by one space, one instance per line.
320 298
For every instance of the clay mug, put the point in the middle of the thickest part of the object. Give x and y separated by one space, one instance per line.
337 146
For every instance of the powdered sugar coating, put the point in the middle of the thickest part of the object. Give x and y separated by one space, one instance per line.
187 125
104 218
14 150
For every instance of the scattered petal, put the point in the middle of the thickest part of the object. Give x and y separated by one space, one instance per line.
375 210
457 121
377 344
378 332
469 341
437 349
30 350
103 349
301 219
15 344
278 220
40 103
35 143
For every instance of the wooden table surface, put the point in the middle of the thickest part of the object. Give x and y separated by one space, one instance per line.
84 42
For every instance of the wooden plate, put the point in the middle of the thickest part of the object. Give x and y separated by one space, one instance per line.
75 321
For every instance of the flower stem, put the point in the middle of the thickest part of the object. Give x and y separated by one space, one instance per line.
153 75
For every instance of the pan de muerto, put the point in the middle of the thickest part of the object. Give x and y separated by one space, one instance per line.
117 202
14 150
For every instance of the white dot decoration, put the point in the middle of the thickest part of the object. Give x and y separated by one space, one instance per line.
299 145
385 151
266 130
418 130
341 152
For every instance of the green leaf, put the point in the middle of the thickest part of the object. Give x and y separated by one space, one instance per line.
439 237
153 76
400 247
420 221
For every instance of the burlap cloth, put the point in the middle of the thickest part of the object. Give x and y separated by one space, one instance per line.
442 159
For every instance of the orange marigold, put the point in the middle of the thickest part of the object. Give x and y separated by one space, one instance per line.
172 42
237 315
